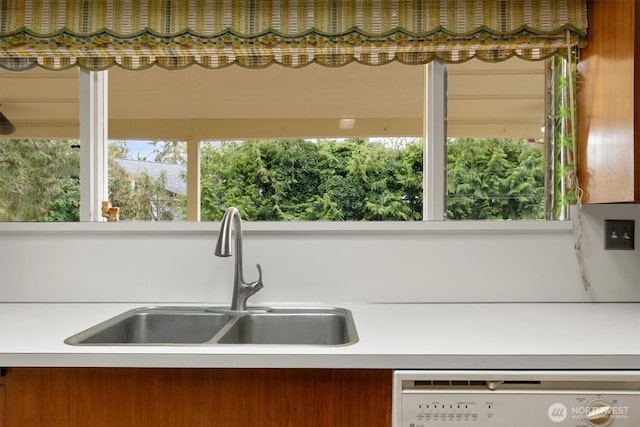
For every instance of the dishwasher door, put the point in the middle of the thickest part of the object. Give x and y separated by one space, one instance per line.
516 398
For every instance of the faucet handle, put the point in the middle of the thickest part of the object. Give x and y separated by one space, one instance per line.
258 283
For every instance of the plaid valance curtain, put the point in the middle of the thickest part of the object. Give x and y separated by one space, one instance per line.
136 34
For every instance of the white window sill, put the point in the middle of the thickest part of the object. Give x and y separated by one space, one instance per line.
306 227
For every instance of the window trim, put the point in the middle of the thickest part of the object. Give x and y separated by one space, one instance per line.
94 170
274 228
434 185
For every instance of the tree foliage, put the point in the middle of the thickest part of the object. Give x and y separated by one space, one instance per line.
356 179
494 179
284 180
304 180
39 180
143 197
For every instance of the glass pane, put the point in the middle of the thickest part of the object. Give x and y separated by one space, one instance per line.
40 158
312 143
496 145
147 180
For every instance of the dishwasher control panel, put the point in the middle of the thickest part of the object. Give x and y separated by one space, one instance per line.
516 399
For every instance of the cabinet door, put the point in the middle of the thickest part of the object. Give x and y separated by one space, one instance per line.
123 397
608 113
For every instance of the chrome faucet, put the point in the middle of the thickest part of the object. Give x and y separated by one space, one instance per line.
241 289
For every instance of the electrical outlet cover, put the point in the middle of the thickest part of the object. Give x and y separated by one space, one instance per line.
619 234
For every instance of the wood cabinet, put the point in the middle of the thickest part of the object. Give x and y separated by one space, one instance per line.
121 397
608 103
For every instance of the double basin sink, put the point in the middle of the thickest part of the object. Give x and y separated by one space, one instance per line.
185 325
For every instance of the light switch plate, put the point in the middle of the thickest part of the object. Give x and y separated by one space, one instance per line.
619 234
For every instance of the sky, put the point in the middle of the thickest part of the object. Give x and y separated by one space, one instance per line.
140 150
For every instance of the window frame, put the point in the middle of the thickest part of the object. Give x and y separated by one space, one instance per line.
94 172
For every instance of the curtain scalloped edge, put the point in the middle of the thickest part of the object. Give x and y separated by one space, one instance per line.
176 63
560 30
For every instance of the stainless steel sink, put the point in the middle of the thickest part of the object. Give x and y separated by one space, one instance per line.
217 325
155 325
292 326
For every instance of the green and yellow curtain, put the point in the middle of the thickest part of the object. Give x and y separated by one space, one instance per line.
136 34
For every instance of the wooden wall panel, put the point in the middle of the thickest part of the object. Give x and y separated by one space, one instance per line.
608 122
121 397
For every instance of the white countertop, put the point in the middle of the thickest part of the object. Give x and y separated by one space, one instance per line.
391 336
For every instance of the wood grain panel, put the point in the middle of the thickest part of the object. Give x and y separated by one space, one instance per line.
124 397
2 393
608 124
2 415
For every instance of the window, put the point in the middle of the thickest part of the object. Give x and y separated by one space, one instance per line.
495 106
273 107
367 122
496 140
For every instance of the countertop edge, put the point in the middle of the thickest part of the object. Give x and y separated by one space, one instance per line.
324 361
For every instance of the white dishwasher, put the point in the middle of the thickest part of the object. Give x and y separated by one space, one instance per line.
516 398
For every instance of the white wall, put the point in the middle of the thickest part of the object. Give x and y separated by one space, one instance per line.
414 263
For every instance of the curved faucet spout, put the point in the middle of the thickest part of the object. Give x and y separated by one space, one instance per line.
241 289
